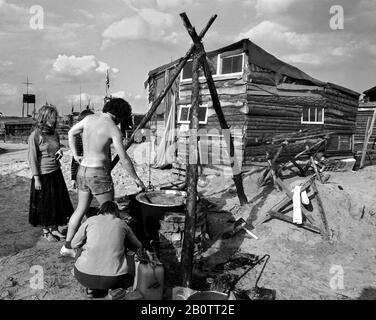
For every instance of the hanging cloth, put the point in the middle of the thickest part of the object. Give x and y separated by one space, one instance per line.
165 150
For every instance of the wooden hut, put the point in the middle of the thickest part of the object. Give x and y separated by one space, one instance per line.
261 96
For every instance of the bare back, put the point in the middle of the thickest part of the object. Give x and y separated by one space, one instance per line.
97 134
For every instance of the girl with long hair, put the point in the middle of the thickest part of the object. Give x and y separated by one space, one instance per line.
50 205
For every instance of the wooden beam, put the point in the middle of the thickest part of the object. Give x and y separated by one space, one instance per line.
192 177
163 93
366 139
237 173
325 232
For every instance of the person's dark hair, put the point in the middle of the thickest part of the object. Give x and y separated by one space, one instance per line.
118 107
109 207
84 113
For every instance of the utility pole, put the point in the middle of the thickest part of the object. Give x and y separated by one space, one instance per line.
27 93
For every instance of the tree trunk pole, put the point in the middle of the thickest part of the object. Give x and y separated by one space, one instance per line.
236 170
163 93
192 177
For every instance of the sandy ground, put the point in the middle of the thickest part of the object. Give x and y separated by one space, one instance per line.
302 265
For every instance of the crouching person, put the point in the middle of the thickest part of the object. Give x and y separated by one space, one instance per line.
104 240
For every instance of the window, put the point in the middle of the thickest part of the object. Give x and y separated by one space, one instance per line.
313 115
184 111
218 65
231 64
340 143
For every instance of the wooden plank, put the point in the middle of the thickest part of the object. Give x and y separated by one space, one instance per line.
325 229
288 219
366 139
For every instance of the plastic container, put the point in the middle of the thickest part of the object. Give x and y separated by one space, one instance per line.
149 279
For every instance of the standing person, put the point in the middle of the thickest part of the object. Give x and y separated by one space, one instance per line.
79 148
104 239
50 205
94 174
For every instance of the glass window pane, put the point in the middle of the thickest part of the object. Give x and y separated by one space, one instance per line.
184 114
232 64
312 114
187 70
202 113
305 114
319 114
237 63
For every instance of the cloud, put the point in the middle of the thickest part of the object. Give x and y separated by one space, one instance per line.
312 49
6 63
84 67
273 33
272 6
85 99
146 24
84 13
13 18
168 4
8 91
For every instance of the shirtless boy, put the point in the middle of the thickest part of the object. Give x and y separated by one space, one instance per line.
94 174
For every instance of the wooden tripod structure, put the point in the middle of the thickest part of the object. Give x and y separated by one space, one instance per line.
199 59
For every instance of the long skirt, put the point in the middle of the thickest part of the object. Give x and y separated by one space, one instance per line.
50 206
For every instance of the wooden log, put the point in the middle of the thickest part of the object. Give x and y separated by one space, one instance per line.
163 93
325 232
337 94
192 177
231 91
219 83
237 174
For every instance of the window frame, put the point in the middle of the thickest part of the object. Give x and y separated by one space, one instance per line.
220 64
189 110
218 68
322 121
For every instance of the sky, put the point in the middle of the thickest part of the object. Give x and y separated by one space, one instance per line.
63 46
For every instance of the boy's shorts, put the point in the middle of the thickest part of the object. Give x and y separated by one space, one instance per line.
96 180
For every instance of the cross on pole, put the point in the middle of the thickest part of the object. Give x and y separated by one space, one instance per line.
27 102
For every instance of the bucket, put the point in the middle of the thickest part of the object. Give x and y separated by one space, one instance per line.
154 204
208 295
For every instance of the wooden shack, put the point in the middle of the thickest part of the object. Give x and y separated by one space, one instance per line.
261 96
